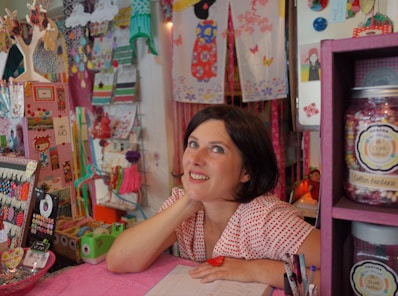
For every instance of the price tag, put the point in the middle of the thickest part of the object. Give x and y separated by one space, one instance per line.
36 259
40 246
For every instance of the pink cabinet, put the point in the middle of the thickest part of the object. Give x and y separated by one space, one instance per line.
341 63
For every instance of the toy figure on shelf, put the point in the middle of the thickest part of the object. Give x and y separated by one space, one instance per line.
308 188
314 182
43 29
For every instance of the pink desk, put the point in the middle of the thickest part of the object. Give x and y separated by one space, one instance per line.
89 279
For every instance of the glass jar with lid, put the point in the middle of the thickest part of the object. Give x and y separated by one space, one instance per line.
371 145
375 259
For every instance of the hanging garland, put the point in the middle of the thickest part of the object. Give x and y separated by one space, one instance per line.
76 39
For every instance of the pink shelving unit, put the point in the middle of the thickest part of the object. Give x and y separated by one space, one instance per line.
340 60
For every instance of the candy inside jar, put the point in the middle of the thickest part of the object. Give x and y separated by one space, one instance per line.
371 144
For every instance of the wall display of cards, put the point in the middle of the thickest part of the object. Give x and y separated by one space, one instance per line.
49 139
18 178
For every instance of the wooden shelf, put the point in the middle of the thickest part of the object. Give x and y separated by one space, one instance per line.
341 60
349 210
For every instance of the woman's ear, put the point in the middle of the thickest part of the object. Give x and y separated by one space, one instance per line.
244 176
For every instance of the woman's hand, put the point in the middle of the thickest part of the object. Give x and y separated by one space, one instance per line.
195 205
231 269
264 271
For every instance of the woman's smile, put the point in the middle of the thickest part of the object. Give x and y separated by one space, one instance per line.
197 176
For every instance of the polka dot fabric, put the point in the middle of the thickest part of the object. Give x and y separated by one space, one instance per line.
263 228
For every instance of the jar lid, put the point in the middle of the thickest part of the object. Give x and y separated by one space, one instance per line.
374 91
374 233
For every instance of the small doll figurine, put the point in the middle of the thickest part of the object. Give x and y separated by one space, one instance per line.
314 182
307 189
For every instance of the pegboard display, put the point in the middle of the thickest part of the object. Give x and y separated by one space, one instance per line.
18 178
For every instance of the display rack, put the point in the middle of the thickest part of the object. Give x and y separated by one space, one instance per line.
48 138
113 157
18 178
340 60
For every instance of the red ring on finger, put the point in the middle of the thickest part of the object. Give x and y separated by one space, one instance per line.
216 261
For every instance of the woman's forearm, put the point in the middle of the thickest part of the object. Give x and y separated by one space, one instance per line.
271 272
267 271
136 248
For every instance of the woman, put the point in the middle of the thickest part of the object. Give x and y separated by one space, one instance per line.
225 207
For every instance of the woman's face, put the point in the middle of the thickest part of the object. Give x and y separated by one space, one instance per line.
213 166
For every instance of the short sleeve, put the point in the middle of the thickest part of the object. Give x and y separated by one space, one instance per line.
263 228
281 229
176 194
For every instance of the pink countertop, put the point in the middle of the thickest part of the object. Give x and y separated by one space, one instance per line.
95 279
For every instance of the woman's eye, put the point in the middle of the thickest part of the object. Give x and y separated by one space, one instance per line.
192 144
217 149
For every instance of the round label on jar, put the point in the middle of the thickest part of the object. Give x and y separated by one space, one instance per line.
376 148
373 278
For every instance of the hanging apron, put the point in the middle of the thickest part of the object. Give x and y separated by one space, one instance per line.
259 29
199 49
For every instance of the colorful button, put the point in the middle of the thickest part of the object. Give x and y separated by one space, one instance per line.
320 24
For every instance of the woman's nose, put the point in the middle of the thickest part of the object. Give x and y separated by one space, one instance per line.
198 156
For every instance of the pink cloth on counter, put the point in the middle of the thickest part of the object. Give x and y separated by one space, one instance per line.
95 279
